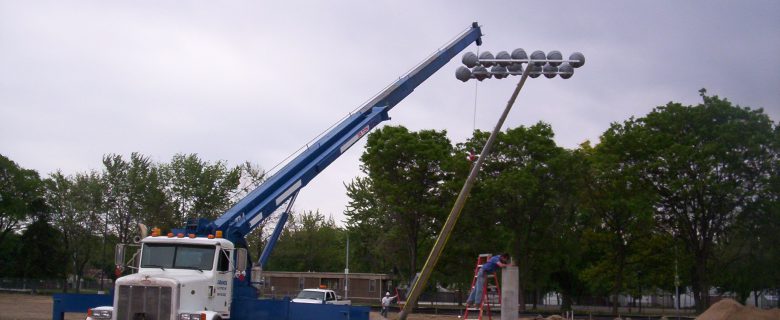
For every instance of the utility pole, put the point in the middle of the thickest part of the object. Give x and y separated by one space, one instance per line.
346 272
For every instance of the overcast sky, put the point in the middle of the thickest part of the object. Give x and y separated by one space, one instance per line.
255 80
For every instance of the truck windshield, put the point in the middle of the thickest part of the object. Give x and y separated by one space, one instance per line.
314 295
163 255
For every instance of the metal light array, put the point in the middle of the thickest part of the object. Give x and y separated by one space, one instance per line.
504 64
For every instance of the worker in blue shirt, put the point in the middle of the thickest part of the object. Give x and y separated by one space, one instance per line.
495 262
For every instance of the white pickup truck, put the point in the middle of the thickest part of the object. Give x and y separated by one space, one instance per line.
319 296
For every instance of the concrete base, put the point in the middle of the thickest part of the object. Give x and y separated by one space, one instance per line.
509 291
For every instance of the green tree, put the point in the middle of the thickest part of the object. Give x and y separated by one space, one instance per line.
197 188
258 239
146 198
134 193
20 196
250 177
750 255
117 189
405 174
529 193
366 221
311 242
708 164
12 265
619 205
568 260
474 232
77 204
39 257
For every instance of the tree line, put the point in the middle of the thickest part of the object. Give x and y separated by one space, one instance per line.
60 225
684 196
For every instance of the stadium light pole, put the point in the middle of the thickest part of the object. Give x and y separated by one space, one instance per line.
502 65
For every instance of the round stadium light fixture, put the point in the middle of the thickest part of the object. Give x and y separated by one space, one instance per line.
550 71
501 56
538 58
480 73
487 59
470 59
463 73
519 54
566 70
515 68
504 64
499 72
580 59
553 58
535 71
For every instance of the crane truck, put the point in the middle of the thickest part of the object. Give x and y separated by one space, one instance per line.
201 272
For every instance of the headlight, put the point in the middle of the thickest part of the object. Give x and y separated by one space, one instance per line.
101 314
189 316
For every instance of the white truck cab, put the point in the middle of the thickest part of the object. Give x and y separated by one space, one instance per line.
179 278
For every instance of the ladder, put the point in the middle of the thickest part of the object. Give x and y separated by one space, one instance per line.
491 293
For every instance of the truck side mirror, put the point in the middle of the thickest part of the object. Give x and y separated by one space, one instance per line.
241 259
119 255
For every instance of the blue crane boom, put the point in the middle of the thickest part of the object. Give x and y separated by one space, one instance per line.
237 299
250 211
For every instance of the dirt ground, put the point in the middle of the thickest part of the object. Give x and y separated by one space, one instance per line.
728 309
38 307
377 316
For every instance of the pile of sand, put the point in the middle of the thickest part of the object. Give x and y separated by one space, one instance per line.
728 309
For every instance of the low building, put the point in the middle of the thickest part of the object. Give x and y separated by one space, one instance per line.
365 288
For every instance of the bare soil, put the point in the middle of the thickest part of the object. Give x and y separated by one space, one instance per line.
728 309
